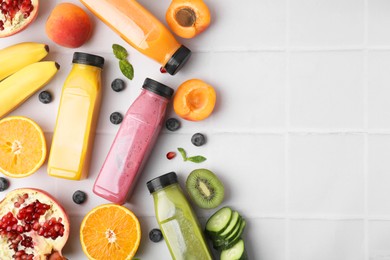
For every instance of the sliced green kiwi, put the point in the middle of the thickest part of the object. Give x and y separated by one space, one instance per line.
205 189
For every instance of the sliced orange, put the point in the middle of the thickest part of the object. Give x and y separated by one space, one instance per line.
110 232
22 146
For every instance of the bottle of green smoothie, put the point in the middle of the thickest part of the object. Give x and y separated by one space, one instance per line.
177 220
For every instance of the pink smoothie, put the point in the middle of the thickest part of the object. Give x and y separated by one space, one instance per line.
133 143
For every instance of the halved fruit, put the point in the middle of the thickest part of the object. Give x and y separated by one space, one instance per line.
110 231
22 146
32 225
16 15
188 18
194 100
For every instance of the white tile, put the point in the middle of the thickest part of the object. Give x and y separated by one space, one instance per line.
378 22
265 238
326 22
326 174
379 240
257 80
324 240
378 175
378 92
240 26
327 89
252 168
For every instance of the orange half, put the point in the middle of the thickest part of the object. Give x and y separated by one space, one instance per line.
22 146
110 232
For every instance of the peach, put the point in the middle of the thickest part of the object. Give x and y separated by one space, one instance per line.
68 25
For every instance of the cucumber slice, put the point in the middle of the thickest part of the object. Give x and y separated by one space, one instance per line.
219 221
236 252
219 240
231 240
234 223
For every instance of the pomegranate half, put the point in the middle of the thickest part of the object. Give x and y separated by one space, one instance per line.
16 15
33 225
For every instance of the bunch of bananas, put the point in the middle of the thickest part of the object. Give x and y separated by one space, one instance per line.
22 73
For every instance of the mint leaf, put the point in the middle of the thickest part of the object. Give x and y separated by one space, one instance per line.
197 159
119 51
127 69
183 153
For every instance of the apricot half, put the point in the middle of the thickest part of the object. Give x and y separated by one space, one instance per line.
194 100
188 18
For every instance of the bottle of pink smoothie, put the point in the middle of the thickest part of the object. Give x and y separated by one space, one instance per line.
133 143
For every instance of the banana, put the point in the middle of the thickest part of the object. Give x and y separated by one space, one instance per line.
16 57
18 87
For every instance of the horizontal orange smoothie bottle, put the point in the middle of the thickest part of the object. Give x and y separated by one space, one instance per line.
138 27
74 132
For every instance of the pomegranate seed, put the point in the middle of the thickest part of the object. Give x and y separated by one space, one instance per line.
17 204
59 219
20 253
25 196
171 155
21 200
20 229
36 226
163 70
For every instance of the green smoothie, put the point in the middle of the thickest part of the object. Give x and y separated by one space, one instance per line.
177 220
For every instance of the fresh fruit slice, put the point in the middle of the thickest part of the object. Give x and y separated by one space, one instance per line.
194 100
22 146
237 252
16 15
110 231
205 189
32 225
188 18
231 240
233 225
18 56
219 221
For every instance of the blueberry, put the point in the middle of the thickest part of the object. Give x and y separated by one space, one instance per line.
198 139
79 197
172 124
118 85
45 97
116 118
155 235
4 184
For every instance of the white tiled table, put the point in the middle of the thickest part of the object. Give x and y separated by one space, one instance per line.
300 135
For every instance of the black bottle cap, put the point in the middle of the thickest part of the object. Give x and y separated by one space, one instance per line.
158 88
178 59
161 182
88 59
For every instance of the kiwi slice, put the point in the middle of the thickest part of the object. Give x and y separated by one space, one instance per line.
205 189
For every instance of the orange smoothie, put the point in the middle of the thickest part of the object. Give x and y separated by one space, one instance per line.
138 27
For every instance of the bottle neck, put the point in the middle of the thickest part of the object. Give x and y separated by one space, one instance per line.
85 67
154 95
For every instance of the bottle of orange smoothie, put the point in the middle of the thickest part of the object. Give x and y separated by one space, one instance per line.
142 30
77 118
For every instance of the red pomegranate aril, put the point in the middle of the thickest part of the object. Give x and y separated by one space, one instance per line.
41 231
27 228
36 226
21 200
57 227
20 229
171 155
17 204
25 196
20 253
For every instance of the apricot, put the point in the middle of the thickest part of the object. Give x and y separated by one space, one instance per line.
69 25
194 100
188 18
